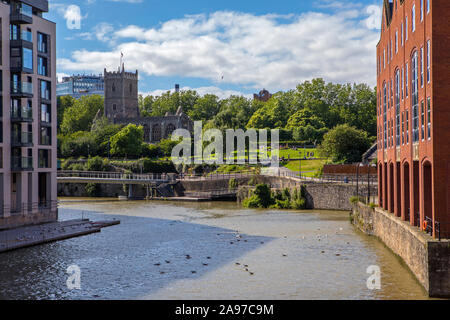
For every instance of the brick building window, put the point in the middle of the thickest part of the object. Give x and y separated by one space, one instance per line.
428 6
403 128
407 127
406 28
397 107
415 96
421 66
429 117
406 80
413 18
422 120
385 115
421 10
428 61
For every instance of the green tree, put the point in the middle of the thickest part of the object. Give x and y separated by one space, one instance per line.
63 103
80 115
205 108
345 144
128 141
303 118
235 112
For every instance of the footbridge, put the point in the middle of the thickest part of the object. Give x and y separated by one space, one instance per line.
114 178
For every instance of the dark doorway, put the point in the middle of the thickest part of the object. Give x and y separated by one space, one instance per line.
398 192
416 186
406 192
43 195
391 188
427 191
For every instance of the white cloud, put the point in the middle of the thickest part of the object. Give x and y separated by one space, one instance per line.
257 51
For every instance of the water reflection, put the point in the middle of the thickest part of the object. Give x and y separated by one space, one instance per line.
202 251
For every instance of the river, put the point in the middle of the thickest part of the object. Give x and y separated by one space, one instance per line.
167 250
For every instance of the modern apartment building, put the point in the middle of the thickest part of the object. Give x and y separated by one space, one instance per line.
28 162
413 111
77 86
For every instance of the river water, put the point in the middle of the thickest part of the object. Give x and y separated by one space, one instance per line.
165 250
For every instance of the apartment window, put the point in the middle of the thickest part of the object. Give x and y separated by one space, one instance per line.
397 107
27 56
384 58
421 66
415 96
44 158
45 90
421 10
428 6
14 32
45 137
42 66
413 18
428 61
42 43
45 113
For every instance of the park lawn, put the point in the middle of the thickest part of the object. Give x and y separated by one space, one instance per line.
309 167
303 153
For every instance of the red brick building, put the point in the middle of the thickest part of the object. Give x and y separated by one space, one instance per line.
413 111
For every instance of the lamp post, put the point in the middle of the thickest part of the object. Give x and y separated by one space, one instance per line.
357 179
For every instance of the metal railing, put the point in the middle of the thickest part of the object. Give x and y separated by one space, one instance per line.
22 113
216 176
103 175
22 163
21 87
22 209
211 193
22 138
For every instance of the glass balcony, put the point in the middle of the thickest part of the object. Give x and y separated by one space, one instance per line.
45 117
22 139
21 13
22 89
21 164
26 35
45 141
21 114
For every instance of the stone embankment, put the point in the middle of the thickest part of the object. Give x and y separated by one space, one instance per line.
427 258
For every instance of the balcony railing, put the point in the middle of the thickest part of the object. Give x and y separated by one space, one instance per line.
23 89
45 141
21 163
23 114
21 13
22 139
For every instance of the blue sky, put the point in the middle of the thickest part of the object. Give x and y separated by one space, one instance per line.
221 47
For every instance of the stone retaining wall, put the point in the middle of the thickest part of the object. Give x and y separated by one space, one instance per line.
428 259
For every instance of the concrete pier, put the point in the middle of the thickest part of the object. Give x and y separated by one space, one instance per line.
49 232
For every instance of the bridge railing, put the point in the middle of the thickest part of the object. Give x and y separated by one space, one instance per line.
212 193
116 175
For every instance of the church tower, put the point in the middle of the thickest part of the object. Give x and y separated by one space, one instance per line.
121 94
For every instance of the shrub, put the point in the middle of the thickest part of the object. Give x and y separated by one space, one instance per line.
232 184
92 189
